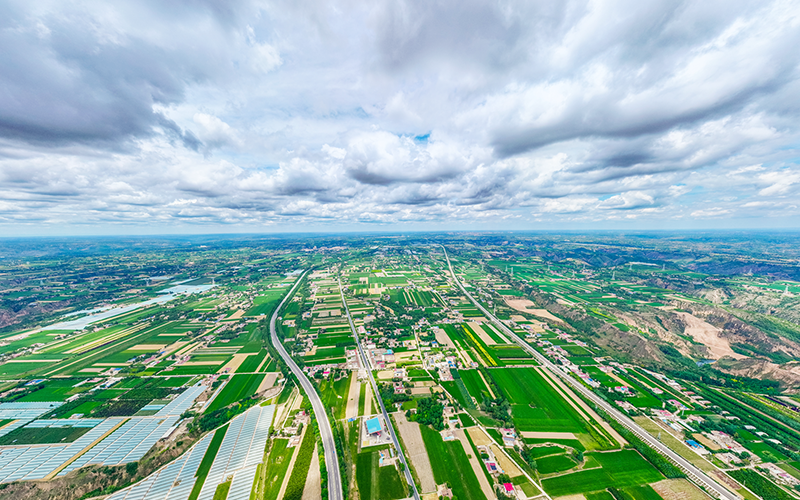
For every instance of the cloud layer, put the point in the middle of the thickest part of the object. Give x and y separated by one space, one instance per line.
312 115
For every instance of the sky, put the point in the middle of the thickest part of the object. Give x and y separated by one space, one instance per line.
193 116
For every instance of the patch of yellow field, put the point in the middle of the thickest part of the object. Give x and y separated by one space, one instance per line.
479 437
147 347
505 463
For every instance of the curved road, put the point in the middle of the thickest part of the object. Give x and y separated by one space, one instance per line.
325 432
687 467
364 361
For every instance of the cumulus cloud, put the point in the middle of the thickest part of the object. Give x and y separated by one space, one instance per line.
426 114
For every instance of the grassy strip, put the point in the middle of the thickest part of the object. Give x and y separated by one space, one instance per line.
208 459
362 394
297 481
221 493
276 466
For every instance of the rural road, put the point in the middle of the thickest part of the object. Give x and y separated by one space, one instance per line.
364 361
325 432
687 467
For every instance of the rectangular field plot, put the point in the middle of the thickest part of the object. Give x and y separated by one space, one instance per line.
474 384
620 469
535 406
237 387
376 482
451 465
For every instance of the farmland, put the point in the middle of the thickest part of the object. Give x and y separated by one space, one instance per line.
618 469
183 351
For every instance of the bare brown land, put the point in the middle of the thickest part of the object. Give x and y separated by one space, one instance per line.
523 305
412 438
708 335
313 488
678 489
476 327
443 339
352 399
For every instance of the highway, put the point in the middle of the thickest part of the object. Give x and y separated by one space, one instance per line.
365 362
325 432
687 467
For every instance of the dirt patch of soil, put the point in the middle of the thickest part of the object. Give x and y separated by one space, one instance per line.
476 327
711 445
313 488
353 394
479 437
443 339
708 335
523 305
678 489
412 438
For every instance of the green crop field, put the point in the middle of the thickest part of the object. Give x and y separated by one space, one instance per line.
454 389
535 406
376 482
29 435
238 387
276 465
599 495
554 463
543 451
474 384
641 493
252 362
334 394
620 469
451 465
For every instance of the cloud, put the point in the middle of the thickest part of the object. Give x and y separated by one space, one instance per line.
421 114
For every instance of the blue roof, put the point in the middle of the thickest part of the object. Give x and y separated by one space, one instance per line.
374 425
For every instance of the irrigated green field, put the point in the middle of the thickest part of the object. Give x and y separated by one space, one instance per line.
451 465
555 463
376 482
535 406
238 387
620 469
